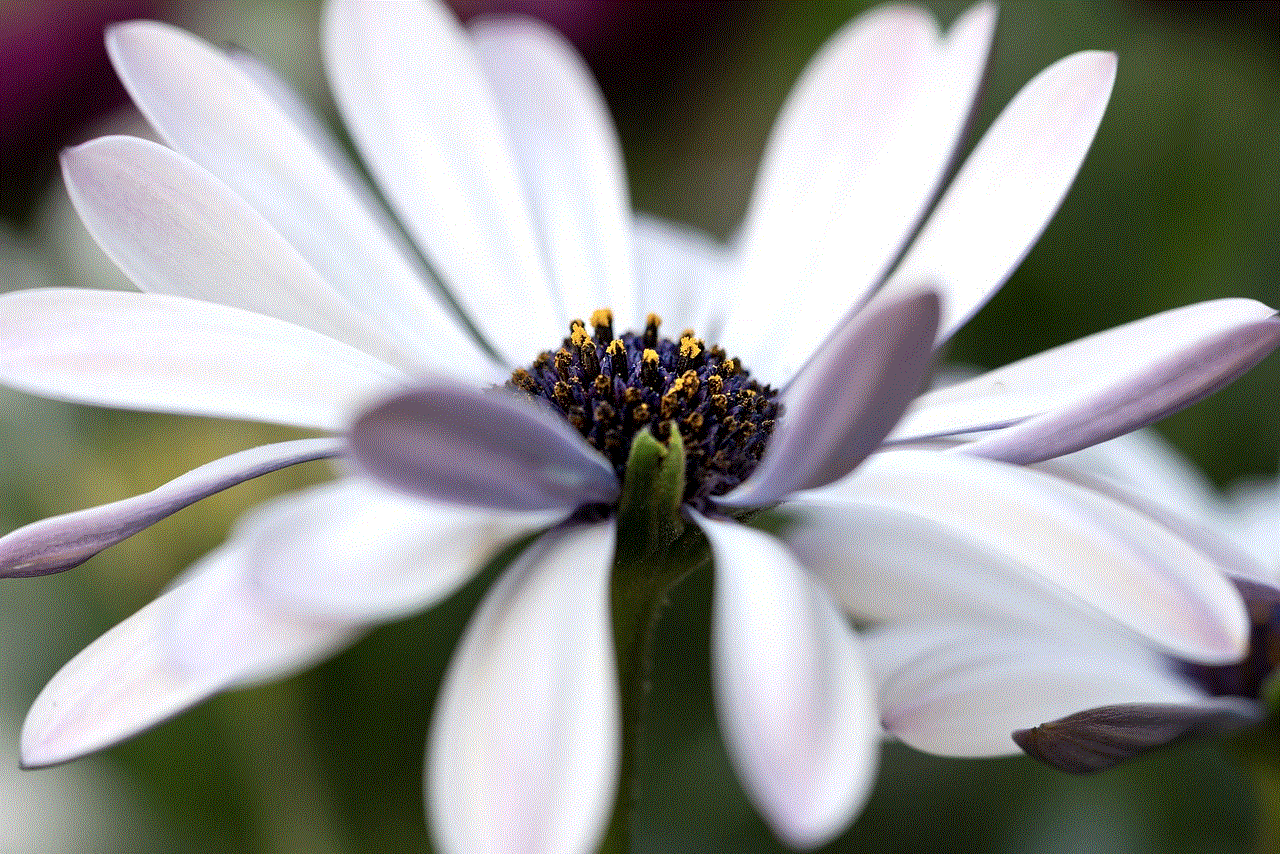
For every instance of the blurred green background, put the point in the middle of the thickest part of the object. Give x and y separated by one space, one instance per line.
1179 201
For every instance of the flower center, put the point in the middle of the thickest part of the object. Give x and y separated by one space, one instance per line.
610 388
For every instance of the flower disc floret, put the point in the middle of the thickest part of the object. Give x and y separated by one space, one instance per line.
612 387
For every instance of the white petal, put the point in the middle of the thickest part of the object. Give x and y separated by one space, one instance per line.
240 123
845 400
966 694
66 541
222 629
885 565
427 122
131 678
685 277
792 691
858 152
352 550
175 229
523 750
1143 367
1009 188
172 354
1117 560
568 157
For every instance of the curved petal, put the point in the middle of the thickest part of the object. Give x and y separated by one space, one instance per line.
1009 188
794 698
355 551
485 450
956 695
133 678
858 152
244 127
843 403
171 354
1099 738
430 129
66 541
174 229
1161 389
1120 376
1117 560
685 277
523 750
568 157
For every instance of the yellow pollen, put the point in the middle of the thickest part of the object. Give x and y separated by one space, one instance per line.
602 317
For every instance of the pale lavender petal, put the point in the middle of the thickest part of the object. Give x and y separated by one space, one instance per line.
858 153
1119 561
1212 339
1009 188
494 450
1160 389
844 402
221 629
794 698
568 156
967 693
429 126
172 354
175 229
131 678
355 550
240 122
1099 738
685 277
63 542
523 751
837 134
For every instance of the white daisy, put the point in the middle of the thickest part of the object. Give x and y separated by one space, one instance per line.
277 291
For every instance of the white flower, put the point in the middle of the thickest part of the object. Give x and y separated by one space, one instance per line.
276 291
1089 692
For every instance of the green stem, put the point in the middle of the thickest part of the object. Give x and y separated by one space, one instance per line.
640 587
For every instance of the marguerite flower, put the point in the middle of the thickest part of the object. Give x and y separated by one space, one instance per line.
620 457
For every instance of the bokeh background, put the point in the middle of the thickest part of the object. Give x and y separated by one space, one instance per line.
1179 201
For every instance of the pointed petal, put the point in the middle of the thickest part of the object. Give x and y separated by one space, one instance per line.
1099 738
241 123
842 404
1117 560
171 354
1009 188
130 679
175 229
523 750
956 696
569 160
437 146
353 550
794 698
63 542
685 278
1122 376
485 450
1161 389
857 154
